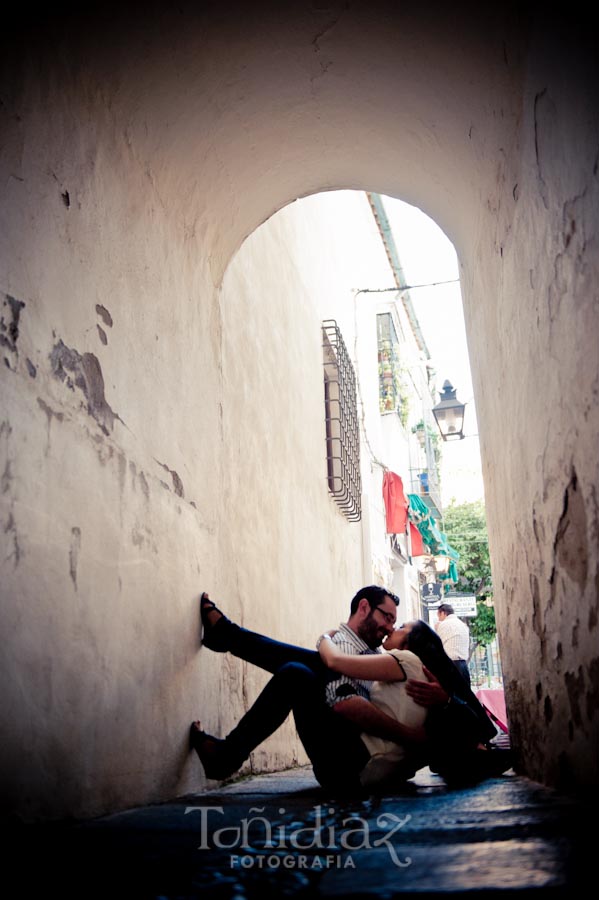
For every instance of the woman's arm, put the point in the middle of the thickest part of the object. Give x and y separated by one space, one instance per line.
373 667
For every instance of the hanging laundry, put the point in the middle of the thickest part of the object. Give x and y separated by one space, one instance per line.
396 505
416 540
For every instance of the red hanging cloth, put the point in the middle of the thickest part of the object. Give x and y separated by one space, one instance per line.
396 505
416 539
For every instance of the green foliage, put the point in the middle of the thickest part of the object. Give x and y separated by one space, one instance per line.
482 627
466 528
404 407
432 435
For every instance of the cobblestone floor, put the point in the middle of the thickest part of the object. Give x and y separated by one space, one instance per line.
279 835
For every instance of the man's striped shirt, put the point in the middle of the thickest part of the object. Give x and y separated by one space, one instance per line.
344 686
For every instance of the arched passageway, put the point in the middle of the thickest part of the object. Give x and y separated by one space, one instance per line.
138 154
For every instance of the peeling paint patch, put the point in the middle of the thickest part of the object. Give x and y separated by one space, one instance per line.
142 537
49 411
122 461
594 605
9 329
6 478
104 315
11 529
13 549
102 335
144 485
537 527
545 118
570 548
324 31
50 414
31 368
537 617
177 483
575 688
103 449
74 549
84 373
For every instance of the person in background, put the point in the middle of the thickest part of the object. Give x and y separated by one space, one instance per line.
455 637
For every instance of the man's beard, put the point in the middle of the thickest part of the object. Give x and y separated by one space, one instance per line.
370 631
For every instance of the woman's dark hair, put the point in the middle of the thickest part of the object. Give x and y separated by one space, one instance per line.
428 647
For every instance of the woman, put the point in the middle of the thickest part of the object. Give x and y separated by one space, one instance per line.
457 743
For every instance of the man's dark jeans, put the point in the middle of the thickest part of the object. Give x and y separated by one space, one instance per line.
332 743
462 667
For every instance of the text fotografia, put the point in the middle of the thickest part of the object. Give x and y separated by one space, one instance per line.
264 861
277 845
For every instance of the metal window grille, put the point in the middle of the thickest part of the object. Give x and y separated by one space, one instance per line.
342 428
389 366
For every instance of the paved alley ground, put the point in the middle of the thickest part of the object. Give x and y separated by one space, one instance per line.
279 835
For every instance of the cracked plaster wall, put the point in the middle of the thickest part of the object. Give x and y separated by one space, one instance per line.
541 464
135 161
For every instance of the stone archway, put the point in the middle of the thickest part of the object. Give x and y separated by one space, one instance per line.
138 155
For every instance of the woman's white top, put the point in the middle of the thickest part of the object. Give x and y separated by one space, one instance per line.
392 698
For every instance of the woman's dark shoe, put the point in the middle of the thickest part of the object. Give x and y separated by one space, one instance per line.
475 767
215 625
212 753
495 761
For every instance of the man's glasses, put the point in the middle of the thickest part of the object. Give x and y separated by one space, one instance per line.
389 617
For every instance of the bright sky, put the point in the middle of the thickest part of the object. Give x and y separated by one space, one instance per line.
427 255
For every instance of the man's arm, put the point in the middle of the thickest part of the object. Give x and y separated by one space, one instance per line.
427 693
374 721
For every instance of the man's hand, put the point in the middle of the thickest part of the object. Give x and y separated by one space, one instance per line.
427 693
374 721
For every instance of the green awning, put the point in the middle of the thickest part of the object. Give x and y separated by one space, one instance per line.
435 539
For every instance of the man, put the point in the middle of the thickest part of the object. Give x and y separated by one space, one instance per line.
373 614
455 637
330 710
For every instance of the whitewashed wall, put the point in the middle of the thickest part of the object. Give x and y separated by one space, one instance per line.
136 158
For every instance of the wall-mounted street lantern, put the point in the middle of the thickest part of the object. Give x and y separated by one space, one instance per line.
442 564
449 414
